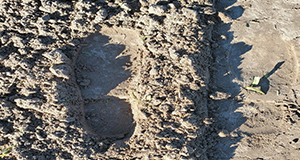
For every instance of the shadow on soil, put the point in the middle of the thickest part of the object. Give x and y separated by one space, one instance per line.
106 119
264 83
35 135
99 70
226 96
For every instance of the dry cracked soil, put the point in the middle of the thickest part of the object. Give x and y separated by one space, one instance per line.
149 79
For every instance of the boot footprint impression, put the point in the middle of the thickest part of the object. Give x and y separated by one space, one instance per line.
102 73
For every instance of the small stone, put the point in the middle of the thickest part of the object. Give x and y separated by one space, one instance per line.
18 42
47 9
169 147
233 135
22 51
39 137
156 9
195 86
208 121
26 1
33 103
37 43
224 17
125 6
63 125
174 56
164 108
183 79
68 120
219 96
153 72
57 57
46 17
156 102
52 21
52 136
26 92
62 71
74 42
208 3
172 6
189 13
184 151
100 15
186 61
4 38
209 11
223 134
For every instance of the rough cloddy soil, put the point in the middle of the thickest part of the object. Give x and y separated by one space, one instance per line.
139 80
105 79
256 39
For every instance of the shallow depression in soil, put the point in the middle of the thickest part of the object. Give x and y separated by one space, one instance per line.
103 73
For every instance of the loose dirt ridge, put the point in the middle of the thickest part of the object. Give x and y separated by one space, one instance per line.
149 79
105 79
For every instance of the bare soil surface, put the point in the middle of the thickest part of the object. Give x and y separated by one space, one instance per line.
105 79
257 39
149 79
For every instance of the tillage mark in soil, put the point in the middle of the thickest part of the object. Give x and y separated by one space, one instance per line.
99 71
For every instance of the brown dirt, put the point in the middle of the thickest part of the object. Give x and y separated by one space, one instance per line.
105 79
257 38
149 79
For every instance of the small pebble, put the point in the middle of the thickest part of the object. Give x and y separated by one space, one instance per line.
62 71
100 15
223 134
208 121
156 9
46 17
